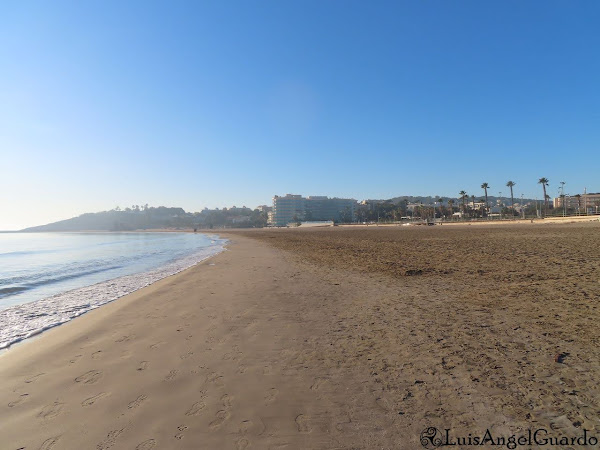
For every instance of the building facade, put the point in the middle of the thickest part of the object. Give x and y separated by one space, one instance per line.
336 209
287 209
291 208
580 202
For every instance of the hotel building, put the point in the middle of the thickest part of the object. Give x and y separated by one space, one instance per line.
290 208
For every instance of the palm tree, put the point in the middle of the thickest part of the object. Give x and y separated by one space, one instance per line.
510 184
544 182
485 187
463 195
441 201
451 206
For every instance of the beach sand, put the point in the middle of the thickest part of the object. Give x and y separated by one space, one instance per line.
327 338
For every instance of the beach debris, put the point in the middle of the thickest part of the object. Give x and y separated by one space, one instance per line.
560 357
412 272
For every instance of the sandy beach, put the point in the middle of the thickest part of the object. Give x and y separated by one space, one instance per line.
335 338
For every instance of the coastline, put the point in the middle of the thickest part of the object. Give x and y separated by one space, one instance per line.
26 320
207 351
327 338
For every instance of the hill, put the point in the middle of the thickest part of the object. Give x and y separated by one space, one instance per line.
118 220
145 218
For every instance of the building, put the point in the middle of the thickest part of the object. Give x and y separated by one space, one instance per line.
323 208
292 208
288 209
240 219
580 202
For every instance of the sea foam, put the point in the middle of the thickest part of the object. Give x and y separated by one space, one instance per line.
26 320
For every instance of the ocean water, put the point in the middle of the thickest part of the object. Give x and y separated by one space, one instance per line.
50 278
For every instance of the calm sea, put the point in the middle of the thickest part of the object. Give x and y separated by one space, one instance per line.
49 278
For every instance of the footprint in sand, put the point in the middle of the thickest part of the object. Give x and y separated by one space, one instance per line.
90 401
97 355
90 377
34 378
227 401
203 394
21 399
157 344
181 429
215 378
172 374
125 338
256 429
110 440
49 443
143 365
137 402
186 355
146 445
318 383
271 395
302 424
242 444
50 411
75 359
245 426
195 409
221 417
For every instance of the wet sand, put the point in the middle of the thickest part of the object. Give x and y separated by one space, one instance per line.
327 338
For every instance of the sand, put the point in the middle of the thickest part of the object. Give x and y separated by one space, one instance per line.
327 338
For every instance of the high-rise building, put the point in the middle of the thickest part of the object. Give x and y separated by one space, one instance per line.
323 208
295 207
287 209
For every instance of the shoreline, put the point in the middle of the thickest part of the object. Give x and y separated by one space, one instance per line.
119 287
327 338
519 221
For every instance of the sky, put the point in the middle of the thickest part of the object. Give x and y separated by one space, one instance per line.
220 103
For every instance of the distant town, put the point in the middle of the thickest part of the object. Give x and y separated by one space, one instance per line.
292 210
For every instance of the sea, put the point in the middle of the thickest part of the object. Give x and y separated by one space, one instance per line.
47 279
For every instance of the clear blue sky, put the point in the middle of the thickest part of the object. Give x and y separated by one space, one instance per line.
194 104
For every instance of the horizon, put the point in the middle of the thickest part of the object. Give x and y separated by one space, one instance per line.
230 103
270 203
491 198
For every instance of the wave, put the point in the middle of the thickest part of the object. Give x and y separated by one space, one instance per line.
26 252
23 321
5 292
71 276
50 278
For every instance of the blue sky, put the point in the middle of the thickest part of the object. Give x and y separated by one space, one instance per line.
220 103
